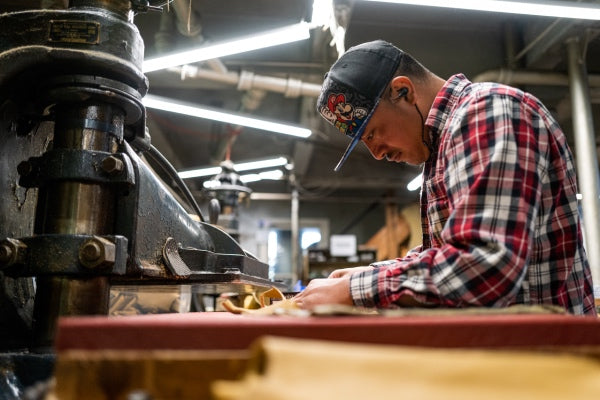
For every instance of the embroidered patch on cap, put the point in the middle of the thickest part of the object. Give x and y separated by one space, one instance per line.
346 110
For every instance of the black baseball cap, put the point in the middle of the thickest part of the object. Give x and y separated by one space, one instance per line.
353 87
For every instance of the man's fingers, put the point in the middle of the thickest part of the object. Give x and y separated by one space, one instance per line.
340 273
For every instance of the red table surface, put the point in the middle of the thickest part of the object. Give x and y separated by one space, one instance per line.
224 331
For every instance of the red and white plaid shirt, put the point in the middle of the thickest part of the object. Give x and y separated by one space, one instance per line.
500 216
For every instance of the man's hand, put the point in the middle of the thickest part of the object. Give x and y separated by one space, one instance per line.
333 290
325 291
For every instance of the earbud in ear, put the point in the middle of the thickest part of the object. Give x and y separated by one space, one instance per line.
402 92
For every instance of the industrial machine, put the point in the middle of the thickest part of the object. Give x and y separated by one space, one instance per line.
82 211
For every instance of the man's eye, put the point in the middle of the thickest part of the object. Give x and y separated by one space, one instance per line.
369 136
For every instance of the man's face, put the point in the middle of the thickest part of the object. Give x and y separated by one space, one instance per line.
394 133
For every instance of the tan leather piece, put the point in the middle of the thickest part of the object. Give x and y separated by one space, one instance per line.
270 302
290 369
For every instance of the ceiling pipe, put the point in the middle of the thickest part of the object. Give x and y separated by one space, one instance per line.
540 38
295 231
246 80
217 65
188 22
522 77
587 161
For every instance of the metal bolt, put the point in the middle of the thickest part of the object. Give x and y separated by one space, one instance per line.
90 251
12 251
24 168
6 253
112 165
97 253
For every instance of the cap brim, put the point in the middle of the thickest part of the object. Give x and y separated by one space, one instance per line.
356 138
349 149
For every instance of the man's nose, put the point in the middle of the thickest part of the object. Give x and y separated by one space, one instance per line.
376 151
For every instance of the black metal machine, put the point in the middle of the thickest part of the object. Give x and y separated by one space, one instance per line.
81 210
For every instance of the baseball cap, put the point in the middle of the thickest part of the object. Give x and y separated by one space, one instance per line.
353 87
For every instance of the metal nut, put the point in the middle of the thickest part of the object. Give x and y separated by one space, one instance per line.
24 168
90 251
6 253
97 253
112 165
12 251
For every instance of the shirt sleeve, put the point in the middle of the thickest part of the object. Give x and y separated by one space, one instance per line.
490 189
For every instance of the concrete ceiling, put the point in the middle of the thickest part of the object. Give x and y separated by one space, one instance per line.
447 41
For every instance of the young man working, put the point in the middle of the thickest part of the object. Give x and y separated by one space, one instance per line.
498 199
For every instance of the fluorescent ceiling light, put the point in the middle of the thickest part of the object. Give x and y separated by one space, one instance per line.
322 12
558 9
292 33
211 184
163 103
415 183
195 173
245 166
250 165
274 175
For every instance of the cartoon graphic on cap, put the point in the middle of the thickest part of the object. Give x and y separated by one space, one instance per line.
342 114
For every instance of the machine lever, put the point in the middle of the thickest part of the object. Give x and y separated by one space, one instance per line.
214 209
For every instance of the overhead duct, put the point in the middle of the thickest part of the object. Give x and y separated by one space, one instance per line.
246 80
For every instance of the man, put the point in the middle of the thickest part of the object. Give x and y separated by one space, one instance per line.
498 199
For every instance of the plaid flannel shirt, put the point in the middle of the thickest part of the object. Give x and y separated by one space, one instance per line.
498 207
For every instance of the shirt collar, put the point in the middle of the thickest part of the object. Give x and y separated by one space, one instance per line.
445 101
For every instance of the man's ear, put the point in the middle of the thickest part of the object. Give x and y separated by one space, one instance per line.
401 86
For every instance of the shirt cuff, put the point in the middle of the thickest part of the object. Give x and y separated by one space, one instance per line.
363 288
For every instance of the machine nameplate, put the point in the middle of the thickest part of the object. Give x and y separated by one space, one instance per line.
74 32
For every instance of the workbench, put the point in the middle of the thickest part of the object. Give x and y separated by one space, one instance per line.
211 331
187 356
